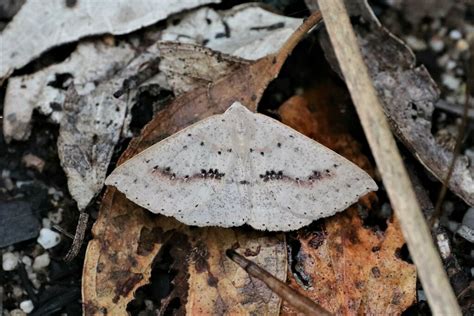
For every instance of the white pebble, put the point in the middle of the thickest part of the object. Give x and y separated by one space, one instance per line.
41 262
455 35
9 261
437 44
415 43
27 261
48 238
451 82
450 65
27 306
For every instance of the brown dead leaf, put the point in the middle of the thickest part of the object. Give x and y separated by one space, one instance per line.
127 238
348 269
354 270
408 95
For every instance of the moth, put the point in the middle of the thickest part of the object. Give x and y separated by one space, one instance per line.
240 168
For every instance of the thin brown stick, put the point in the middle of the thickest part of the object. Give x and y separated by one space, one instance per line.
295 299
399 188
312 21
459 140
78 237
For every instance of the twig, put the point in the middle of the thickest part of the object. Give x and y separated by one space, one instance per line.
63 231
295 299
78 237
459 140
453 108
399 188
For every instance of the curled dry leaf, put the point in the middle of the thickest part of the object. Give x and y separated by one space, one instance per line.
246 31
408 93
39 26
116 265
346 268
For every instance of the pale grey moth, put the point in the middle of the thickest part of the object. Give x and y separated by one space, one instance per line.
241 168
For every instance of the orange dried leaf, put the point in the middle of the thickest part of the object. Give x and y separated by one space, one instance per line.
347 268
354 270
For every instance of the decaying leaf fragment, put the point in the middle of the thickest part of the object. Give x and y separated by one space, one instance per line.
246 31
408 94
349 269
45 90
41 25
343 266
116 257
188 66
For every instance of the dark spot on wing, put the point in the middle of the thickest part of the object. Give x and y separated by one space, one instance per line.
202 144
262 153
219 152
272 175
251 150
279 145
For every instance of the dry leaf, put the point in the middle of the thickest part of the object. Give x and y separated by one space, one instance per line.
116 266
189 66
346 268
45 90
39 26
246 31
408 93
349 269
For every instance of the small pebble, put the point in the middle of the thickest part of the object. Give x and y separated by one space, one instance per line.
436 44
466 230
462 45
415 43
17 312
468 218
450 65
56 217
46 222
17 292
450 81
27 261
455 35
41 262
27 306
48 238
9 261
33 162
